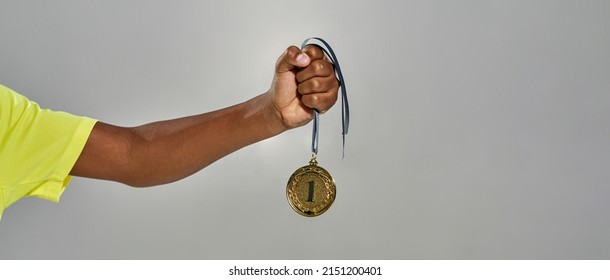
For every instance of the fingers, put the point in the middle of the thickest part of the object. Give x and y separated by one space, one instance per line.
291 58
317 82
318 85
317 68
319 93
320 101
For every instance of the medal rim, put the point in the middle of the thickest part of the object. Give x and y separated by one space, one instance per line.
323 173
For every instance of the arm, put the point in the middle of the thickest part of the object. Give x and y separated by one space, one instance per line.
170 150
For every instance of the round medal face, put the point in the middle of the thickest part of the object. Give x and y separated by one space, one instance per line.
311 190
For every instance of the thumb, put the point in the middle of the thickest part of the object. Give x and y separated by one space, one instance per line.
291 58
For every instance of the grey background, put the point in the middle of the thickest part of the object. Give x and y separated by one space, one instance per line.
480 129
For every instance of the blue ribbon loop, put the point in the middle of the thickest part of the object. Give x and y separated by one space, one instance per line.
344 104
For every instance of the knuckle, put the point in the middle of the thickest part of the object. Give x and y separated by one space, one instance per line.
315 99
318 66
323 67
316 84
311 101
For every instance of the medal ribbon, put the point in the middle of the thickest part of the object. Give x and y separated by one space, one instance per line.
344 104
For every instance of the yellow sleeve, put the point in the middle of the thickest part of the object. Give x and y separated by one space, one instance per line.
38 148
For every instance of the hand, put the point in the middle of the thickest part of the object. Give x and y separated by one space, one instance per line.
303 81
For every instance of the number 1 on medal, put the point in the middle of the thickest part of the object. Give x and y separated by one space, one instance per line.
310 197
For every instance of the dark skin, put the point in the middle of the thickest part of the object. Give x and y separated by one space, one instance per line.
166 151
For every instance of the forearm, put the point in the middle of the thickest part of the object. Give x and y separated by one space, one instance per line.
171 150
167 151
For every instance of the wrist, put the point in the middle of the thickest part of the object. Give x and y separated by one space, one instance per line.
269 114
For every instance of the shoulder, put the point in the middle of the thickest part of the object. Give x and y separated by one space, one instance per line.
12 106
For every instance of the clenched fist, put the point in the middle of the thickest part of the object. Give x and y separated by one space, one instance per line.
304 80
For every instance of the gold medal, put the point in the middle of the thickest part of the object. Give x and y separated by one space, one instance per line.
311 189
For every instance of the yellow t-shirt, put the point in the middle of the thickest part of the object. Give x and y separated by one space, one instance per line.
38 148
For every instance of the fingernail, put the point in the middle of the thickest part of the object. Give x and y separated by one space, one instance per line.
302 58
